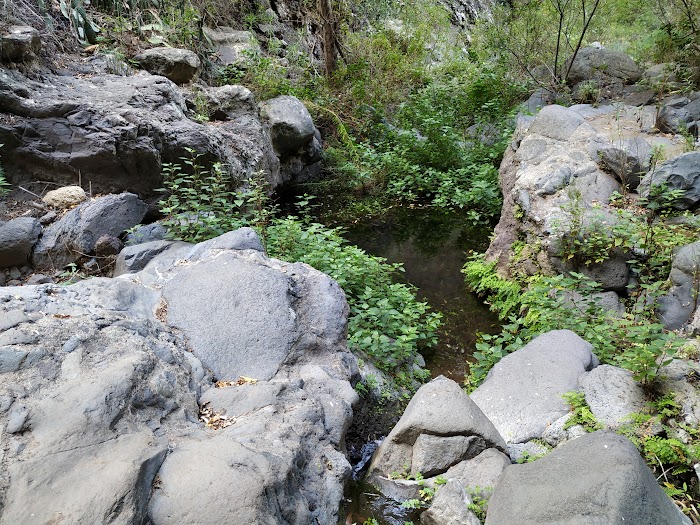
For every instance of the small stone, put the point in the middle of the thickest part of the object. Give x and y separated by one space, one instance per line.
14 273
39 278
48 218
65 197
108 245
16 419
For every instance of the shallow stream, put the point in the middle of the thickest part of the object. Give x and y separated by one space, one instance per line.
433 245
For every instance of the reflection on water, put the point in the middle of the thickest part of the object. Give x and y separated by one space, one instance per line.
433 246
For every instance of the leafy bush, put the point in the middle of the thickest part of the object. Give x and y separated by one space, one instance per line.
387 323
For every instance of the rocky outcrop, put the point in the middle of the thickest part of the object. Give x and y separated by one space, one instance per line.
611 484
114 133
522 394
109 412
676 308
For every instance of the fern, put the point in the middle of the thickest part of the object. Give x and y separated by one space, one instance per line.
502 295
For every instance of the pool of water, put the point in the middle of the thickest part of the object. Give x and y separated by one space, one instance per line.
433 245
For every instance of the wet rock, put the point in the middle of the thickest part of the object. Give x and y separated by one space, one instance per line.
17 238
19 43
75 235
522 393
65 197
612 484
179 65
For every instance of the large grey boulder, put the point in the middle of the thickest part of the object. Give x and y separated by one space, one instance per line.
481 473
679 173
99 398
522 393
592 63
676 308
597 479
19 43
612 394
439 417
17 238
290 124
556 122
75 235
179 65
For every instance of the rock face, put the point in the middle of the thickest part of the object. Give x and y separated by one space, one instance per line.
676 308
99 396
116 132
179 65
522 393
611 485
440 428
76 234
20 43
17 238
679 173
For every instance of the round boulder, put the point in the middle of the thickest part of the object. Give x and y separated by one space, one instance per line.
17 238
290 123
179 65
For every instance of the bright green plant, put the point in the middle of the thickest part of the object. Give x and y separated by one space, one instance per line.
480 501
580 412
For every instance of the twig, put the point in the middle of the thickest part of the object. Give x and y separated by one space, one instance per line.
30 192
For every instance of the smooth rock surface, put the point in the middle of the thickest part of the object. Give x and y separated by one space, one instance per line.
450 507
522 393
612 484
612 394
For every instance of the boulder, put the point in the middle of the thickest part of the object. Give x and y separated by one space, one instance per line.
65 197
144 233
480 474
439 415
628 160
290 124
612 394
76 234
556 122
179 65
17 238
232 46
676 308
522 393
593 63
19 43
229 102
678 378
679 173
99 398
450 506
596 479
679 115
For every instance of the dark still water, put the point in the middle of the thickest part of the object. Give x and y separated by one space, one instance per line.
433 245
